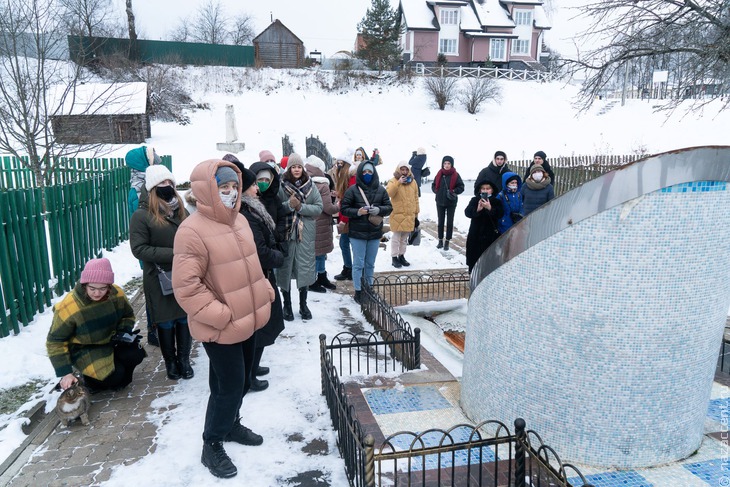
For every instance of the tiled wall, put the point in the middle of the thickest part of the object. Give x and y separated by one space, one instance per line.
604 337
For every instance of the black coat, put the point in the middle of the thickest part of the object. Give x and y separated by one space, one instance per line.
492 174
548 170
441 199
272 202
271 258
152 244
360 226
483 229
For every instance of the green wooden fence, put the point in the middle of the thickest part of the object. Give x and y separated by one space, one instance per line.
49 234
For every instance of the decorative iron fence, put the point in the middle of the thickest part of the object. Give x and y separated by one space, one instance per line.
49 234
400 290
482 72
286 146
318 148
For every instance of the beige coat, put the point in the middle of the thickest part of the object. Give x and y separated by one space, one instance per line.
216 272
404 198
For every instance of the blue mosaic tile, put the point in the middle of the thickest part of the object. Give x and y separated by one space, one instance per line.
714 472
406 400
698 186
719 410
627 478
434 438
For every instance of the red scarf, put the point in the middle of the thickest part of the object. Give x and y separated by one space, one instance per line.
443 172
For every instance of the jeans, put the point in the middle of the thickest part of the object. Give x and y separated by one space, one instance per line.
167 325
448 212
227 381
363 260
319 265
345 248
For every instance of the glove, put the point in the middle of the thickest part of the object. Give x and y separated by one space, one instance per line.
126 338
373 210
294 202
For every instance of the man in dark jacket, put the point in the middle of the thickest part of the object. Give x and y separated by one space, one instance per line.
417 163
541 158
493 172
365 203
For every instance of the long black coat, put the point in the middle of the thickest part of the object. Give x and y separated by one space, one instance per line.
360 226
483 229
492 174
152 244
272 202
270 258
441 199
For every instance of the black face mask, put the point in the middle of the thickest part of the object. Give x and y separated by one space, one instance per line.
165 193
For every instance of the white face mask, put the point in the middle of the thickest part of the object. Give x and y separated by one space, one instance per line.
512 186
229 200
537 176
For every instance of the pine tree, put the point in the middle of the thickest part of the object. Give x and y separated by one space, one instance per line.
379 30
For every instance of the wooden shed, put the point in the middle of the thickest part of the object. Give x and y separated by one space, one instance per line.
102 113
278 47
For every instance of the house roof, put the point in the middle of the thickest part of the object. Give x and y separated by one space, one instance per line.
275 22
418 15
492 14
100 99
541 18
475 14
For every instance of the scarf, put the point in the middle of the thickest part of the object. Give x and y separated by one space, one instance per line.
534 185
294 221
255 206
443 173
169 207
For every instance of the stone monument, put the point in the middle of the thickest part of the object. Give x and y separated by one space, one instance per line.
231 144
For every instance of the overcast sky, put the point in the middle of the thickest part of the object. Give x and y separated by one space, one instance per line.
327 26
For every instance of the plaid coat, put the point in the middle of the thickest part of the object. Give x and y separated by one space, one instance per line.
81 330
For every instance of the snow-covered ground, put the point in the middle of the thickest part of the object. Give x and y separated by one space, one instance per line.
396 119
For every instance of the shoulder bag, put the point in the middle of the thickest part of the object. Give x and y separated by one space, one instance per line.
376 220
165 278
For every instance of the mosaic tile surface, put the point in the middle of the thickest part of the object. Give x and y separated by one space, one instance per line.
719 410
405 399
714 472
590 372
627 478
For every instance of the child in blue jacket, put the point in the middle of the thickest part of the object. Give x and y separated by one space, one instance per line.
511 199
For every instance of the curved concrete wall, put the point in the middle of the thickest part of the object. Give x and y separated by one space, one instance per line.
605 335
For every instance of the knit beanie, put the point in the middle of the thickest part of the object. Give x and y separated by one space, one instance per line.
315 161
230 158
542 155
402 164
284 162
295 160
447 159
266 156
97 271
500 153
224 175
265 174
345 156
154 175
368 166
420 151
248 177
537 167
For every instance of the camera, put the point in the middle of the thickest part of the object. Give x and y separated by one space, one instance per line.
409 179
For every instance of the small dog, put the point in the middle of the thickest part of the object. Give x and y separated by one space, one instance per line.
72 404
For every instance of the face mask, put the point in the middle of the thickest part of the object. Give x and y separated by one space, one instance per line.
484 196
537 176
229 200
367 178
165 193
263 185
512 186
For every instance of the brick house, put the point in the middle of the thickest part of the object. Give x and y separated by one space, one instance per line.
468 32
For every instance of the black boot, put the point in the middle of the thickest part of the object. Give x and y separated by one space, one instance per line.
184 344
322 278
258 385
440 245
345 275
303 310
167 347
446 244
152 335
358 297
317 287
396 263
240 434
217 460
403 261
261 371
288 313
257 369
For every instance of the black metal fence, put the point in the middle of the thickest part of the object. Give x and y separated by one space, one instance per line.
318 148
487 454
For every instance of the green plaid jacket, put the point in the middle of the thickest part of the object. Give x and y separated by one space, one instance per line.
81 331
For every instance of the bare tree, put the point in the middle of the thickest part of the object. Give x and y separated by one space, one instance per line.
442 88
210 24
477 91
243 31
688 38
182 32
88 17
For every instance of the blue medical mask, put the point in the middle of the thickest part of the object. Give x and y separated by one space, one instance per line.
367 178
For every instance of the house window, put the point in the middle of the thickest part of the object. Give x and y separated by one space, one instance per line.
447 46
498 50
523 17
449 16
521 47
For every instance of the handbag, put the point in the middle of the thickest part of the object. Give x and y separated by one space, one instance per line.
376 220
451 196
425 172
343 227
165 278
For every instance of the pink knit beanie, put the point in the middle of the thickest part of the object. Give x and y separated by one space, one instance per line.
97 271
266 156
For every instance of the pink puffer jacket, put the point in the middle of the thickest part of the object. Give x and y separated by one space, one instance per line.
216 272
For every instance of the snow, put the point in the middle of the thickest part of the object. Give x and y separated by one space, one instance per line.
397 119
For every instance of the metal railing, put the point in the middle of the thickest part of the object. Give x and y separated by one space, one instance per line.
482 72
400 290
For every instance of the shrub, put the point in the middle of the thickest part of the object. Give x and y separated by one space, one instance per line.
442 88
441 59
477 91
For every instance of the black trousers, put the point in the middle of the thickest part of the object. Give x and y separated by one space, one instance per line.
229 381
447 213
126 358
